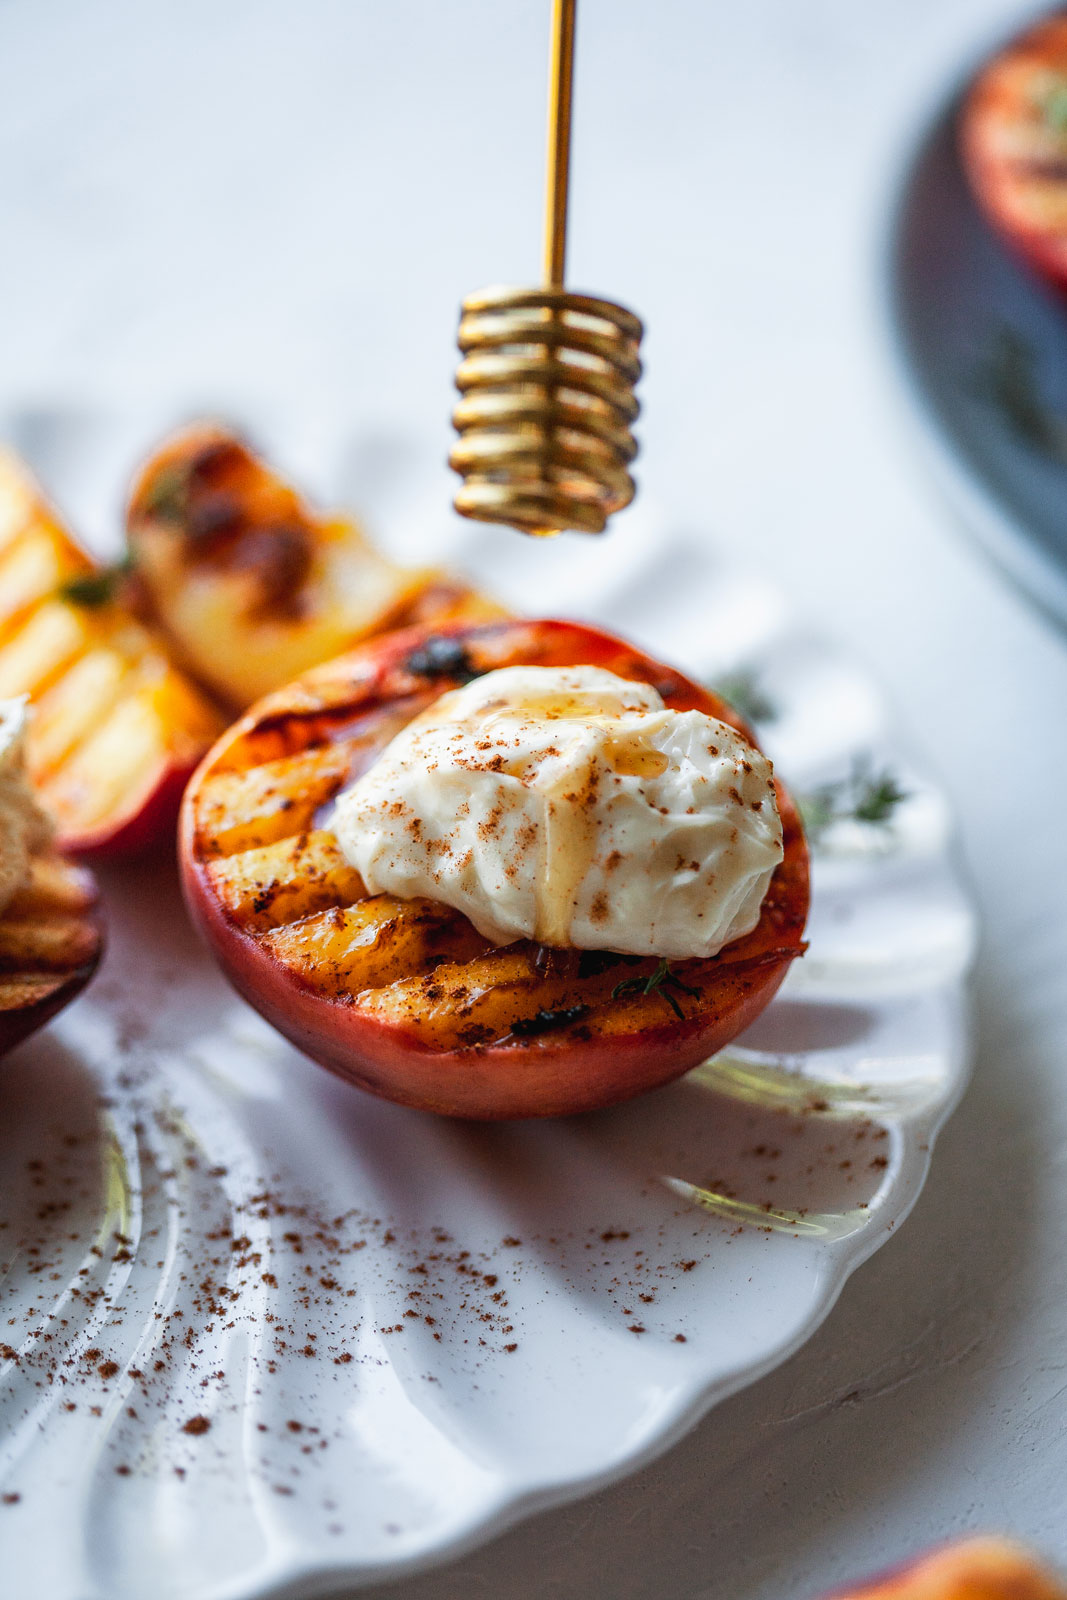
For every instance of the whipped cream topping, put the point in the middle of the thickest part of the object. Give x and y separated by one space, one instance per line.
569 806
24 828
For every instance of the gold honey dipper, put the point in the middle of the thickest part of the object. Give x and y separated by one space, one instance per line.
547 377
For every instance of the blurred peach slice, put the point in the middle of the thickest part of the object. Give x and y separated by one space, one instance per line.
975 1569
116 729
253 586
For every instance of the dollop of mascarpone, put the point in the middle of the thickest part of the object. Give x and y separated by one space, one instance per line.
24 828
569 806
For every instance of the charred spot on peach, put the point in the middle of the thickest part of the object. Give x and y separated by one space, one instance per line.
442 657
404 996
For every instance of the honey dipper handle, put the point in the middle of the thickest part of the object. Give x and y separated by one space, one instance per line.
559 141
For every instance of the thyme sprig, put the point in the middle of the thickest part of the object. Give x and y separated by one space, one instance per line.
661 981
95 589
744 691
865 795
1052 104
167 496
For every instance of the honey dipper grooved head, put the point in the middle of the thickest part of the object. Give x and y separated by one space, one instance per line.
546 409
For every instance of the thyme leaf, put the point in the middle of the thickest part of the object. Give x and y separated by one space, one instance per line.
863 796
879 799
1052 104
167 496
95 589
742 690
661 981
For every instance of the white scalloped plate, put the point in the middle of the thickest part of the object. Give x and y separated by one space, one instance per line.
267 1336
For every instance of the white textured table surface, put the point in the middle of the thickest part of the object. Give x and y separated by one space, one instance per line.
275 209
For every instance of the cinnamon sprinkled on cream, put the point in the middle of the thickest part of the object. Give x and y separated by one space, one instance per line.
569 806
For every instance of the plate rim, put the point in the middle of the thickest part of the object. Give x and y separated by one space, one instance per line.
837 1267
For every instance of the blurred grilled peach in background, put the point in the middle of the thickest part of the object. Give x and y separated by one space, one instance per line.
116 727
974 1569
250 584
1014 139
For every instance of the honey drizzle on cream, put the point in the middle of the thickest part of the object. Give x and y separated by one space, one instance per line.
570 833
566 815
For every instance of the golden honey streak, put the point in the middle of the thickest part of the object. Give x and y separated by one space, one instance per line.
547 409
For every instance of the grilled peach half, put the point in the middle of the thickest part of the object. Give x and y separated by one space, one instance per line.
973 1569
51 938
404 997
1014 141
251 585
116 729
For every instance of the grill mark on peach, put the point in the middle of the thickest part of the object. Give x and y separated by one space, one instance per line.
501 989
412 949
272 800
468 1017
73 707
32 567
106 765
233 782
378 731
281 883
260 805
285 733
352 950
404 963
41 648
